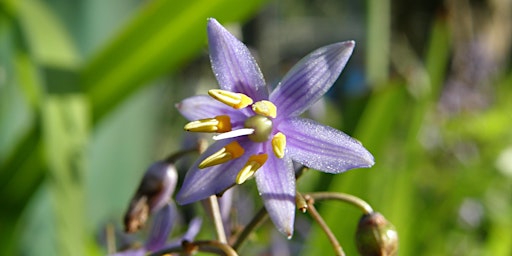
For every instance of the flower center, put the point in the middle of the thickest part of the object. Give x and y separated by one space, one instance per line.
262 126
257 127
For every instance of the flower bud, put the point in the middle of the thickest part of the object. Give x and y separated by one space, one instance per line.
154 191
375 236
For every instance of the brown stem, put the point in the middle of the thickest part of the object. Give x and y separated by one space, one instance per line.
190 248
356 201
216 247
316 216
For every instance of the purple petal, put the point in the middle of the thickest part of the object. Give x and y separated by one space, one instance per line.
202 183
276 185
203 106
161 228
310 79
134 252
226 207
232 63
194 227
322 147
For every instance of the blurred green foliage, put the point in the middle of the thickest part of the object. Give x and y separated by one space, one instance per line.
87 87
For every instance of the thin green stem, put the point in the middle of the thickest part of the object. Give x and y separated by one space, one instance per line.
111 238
356 201
316 216
256 221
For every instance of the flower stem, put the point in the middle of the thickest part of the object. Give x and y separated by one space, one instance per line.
316 216
111 238
256 221
174 157
167 251
214 210
216 247
356 201
190 248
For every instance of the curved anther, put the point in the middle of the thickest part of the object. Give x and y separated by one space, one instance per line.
252 165
232 99
230 151
216 124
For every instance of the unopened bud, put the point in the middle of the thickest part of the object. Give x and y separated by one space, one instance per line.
376 236
154 191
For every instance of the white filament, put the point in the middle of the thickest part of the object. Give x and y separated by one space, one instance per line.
233 134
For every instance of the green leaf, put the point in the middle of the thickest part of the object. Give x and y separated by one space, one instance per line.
65 133
162 36
46 36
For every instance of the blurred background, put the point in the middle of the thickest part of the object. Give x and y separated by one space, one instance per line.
88 87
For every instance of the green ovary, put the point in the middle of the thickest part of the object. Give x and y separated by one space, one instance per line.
262 126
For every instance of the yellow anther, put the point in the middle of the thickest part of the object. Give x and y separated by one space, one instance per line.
279 144
232 99
252 165
231 151
265 108
216 124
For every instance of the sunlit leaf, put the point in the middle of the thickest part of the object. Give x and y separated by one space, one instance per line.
163 35
46 36
65 133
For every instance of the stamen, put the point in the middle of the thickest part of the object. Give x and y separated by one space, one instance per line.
234 134
216 124
232 99
230 151
279 144
252 165
265 108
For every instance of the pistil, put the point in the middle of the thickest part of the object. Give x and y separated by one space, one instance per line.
262 126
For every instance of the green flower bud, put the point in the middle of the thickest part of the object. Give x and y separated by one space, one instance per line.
376 236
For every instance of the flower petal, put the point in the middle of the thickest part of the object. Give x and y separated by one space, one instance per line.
310 79
276 185
203 106
322 147
202 183
161 228
134 252
194 226
233 65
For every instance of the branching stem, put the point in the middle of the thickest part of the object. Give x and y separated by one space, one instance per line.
256 221
356 201
316 216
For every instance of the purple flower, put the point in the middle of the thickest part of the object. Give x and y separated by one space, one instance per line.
260 133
